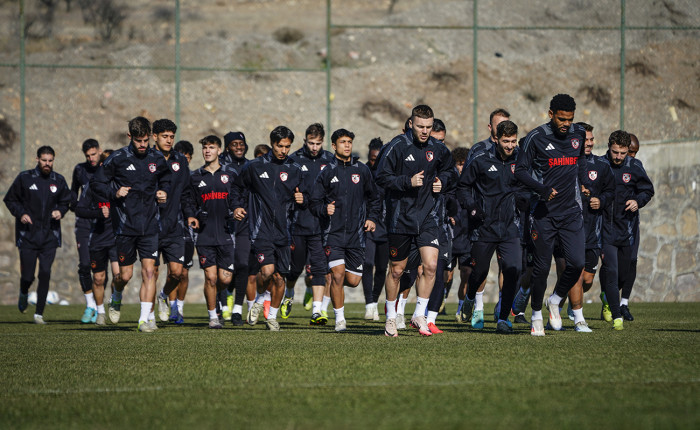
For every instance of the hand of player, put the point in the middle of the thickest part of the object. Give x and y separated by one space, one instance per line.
552 194
26 219
122 192
452 221
437 185
631 205
105 211
331 208
193 222
56 214
369 225
298 196
595 203
417 179
239 214
161 196
585 191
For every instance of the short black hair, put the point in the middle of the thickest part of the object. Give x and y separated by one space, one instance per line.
139 127
184 147
341 132
460 153
89 144
499 112
45 150
375 144
161 125
506 128
281 132
315 130
438 125
562 102
619 138
422 111
261 149
585 126
210 139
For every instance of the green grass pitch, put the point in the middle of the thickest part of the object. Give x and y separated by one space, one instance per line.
72 375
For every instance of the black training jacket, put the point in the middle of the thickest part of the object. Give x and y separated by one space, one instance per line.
37 195
137 213
351 186
210 201
89 208
410 210
545 161
171 214
631 183
265 189
488 186
82 174
304 222
602 187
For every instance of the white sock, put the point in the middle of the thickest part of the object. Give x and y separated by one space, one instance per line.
339 313
180 305
536 315
250 303
390 309
151 316
212 314
90 300
316 307
578 316
268 296
101 309
237 309
624 302
260 298
479 301
432 315
289 293
368 307
421 305
273 313
325 303
145 310
402 305
554 299
459 306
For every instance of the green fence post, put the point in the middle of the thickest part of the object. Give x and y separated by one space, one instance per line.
328 69
22 88
475 73
177 67
622 63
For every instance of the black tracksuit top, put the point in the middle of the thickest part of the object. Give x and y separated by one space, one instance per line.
351 186
602 187
631 183
488 184
171 217
546 161
304 222
89 208
265 189
211 202
37 195
411 210
137 213
82 174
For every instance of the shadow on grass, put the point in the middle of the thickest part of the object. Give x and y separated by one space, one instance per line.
676 330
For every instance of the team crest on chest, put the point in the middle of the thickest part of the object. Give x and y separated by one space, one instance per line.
53 188
575 143
429 155
592 175
284 176
355 178
175 166
152 167
224 179
626 177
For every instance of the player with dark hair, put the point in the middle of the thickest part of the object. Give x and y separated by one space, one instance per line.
271 183
345 200
210 213
261 150
634 146
38 199
134 179
307 244
552 164
376 246
633 190
413 170
461 244
82 173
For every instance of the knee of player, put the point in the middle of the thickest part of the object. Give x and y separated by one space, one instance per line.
429 268
84 269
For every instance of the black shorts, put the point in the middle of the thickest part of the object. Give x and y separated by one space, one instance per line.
127 246
189 254
592 258
400 244
308 249
461 261
219 256
267 253
101 257
352 258
172 249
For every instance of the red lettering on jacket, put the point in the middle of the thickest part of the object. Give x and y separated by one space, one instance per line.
563 161
213 195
